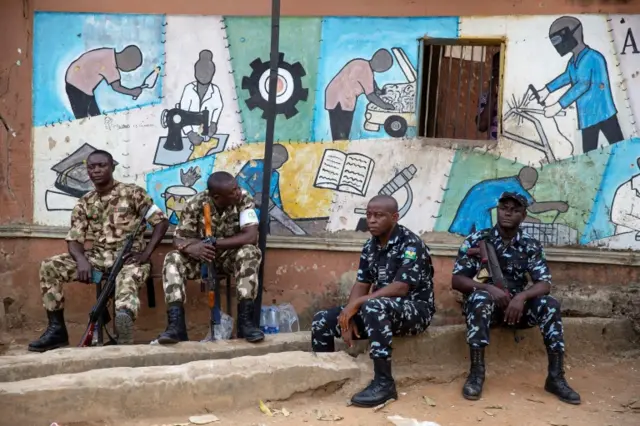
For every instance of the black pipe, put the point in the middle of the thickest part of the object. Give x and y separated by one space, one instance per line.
268 149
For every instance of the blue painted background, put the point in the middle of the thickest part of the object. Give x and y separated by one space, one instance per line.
60 38
344 39
621 167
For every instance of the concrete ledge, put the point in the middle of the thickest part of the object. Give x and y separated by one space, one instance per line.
439 347
446 345
117 393
76 360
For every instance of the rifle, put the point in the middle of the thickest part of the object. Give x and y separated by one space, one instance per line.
100 308
211 278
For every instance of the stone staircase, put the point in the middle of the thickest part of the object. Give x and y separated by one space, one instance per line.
109 384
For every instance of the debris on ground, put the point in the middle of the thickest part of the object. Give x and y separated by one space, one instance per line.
327 417
265 409
204 419
430 402
402 421
384 404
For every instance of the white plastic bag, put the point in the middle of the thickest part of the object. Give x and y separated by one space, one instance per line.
222 331
288 318
401 421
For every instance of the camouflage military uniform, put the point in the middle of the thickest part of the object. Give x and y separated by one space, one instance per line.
522 255
110 218
406 259
243 262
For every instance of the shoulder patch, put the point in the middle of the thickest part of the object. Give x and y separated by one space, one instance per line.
410 253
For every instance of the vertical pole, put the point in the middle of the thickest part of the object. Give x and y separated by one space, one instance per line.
268 149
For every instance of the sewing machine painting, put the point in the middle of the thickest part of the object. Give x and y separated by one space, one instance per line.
402 96
175 148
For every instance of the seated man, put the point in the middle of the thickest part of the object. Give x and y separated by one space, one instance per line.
235 227
112 211
486 304
395 263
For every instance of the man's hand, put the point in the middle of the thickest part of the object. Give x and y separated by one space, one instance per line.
213 128
202 251
349 333
552 110
514 311
563 207
543 93
347 313
84 271
500 297
195 138
135 258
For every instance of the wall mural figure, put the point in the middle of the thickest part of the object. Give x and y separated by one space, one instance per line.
344 172
250 179
354 79
72 181
89 70
474 212
289 90
194 120
590 88
176 196
403 98
625 208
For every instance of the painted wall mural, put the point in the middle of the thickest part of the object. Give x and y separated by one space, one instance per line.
175 98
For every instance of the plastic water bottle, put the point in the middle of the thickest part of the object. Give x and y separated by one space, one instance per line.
264 319
273 319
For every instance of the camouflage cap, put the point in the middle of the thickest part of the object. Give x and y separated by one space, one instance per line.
515 197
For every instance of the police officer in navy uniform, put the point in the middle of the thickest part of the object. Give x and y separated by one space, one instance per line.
517 307
392 296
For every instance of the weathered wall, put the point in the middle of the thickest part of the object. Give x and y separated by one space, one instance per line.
42 140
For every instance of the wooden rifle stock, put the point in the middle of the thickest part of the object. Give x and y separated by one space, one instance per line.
489 258
212 275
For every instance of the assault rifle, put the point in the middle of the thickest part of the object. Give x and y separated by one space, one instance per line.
99 311
210 279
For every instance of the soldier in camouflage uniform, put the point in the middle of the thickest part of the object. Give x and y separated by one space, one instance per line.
486 304
396 265
235 226
110 212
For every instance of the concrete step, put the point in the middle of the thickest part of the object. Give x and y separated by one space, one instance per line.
76 360
195 387
439 347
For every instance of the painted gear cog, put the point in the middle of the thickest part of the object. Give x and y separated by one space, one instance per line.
289 87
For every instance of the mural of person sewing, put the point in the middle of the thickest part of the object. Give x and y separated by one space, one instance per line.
474 212
202 94
590 88
89 70
354 79
625 208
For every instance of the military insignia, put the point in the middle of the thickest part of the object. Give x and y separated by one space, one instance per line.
410 253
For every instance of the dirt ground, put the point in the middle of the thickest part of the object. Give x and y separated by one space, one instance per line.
514 398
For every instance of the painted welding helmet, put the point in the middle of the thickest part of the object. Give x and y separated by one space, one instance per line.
564 40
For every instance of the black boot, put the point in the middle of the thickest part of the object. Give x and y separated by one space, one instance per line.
176 328
472 388
556 383
55 336
246 327
381 389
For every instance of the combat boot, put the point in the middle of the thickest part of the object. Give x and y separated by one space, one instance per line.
381 389
556 383
55 336
176 325
124 327
472 388
246 327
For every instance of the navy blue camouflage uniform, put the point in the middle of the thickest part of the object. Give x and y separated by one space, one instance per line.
522 255
406 259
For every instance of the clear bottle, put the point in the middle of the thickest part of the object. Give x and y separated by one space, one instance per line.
264 319
273 318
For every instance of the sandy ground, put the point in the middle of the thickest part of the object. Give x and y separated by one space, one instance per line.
512 398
